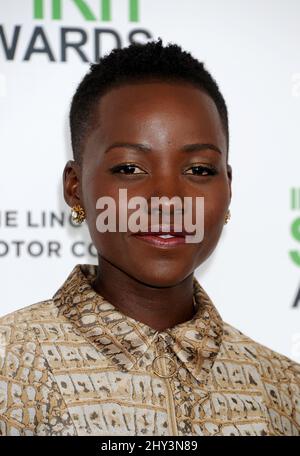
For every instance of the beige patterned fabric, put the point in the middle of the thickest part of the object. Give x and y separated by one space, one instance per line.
75 365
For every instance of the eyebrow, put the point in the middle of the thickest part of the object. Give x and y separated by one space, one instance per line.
196 147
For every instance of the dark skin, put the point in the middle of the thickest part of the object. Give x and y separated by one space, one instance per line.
147 283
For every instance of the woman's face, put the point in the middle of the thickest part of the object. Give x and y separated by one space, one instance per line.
164 117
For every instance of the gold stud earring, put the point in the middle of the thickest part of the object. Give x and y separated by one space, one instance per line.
227 217
78 214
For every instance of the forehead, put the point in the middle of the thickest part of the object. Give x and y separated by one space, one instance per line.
158 112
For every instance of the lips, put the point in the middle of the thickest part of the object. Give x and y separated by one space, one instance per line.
158 241
161 231
161 238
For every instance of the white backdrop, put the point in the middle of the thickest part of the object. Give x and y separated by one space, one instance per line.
252 48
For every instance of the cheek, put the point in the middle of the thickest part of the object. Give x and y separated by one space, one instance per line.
215 206
109 244
93 189
214 209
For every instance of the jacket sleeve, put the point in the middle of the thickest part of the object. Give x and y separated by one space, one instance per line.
30 400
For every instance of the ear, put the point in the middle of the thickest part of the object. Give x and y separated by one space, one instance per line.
71 183
229 175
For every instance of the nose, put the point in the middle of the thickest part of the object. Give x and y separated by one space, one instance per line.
166 194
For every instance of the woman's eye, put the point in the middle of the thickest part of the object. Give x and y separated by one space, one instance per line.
127 169
200 170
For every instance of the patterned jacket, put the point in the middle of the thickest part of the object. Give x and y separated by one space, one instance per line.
76 365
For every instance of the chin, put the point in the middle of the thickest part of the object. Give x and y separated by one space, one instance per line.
162 278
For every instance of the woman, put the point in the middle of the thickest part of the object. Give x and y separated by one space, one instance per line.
134 345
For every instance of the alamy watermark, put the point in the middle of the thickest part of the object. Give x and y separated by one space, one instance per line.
138 220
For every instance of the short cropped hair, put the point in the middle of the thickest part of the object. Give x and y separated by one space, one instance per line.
137 63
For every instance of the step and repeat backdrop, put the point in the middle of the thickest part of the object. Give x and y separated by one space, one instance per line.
252 48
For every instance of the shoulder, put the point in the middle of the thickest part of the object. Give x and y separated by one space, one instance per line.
19 346
275 375
30 310
18 326
273 364
27 383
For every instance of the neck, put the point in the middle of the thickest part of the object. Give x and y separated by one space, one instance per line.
158 307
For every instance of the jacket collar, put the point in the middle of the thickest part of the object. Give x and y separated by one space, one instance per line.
196 342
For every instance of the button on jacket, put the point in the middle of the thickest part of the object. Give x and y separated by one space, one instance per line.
76 365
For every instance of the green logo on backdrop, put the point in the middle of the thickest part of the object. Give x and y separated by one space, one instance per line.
295 232
103 13
87 42
295 226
